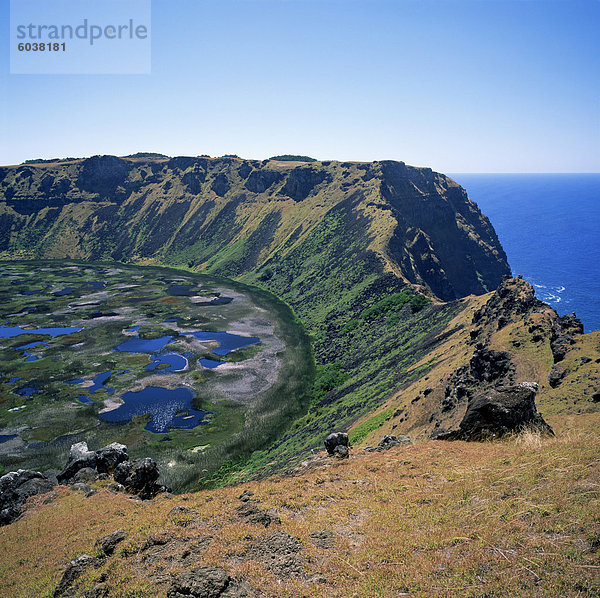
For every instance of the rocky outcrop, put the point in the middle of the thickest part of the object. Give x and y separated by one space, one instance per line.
107 544
335 441
208 582
250 512
68 583
513 299
564 331
440 239
500 411
104 460
140 477
16 487
389 441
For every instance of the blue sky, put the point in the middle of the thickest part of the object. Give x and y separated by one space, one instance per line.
460 86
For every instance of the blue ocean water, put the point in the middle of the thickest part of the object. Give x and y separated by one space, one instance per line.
548 225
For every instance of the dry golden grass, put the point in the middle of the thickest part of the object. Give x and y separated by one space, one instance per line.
520 517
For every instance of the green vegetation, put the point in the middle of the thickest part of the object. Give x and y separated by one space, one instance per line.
138 296
293 158
329 376
48 160
146 155
321 239
360 432
391 304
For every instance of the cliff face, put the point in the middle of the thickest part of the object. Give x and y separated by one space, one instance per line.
345 244
251 219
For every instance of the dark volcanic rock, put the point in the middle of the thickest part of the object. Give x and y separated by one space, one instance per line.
513 298
564 331
280 552
103 460
220 185
341 452
16 487
260 180
500 411
74 570
140 477
107 544
336 439
108 457
246 495
555 377
488 365
102 174
250 512
389 441
208 582
301 181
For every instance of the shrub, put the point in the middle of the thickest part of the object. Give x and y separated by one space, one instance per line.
293 158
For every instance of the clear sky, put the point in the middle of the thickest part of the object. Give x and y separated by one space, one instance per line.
457 85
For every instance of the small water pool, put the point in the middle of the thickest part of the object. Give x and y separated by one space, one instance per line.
144 345
26 391
227 342
12 331
210 363
168 408
181 290
63 292
173 362
29 345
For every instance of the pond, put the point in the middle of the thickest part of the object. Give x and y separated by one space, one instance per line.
168 408
227 342
144 345
181 290
169 362
210 363
62 292
12 331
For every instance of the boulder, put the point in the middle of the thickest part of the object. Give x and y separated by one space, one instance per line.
341 452
107 544
555 377
74 569
103 460
388 442
208 582
139 477
336 439
16 487
108 457
564 331
500 411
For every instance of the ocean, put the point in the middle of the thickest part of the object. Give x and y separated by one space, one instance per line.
549 227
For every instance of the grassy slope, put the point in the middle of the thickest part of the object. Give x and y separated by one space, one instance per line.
409 410
518 517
